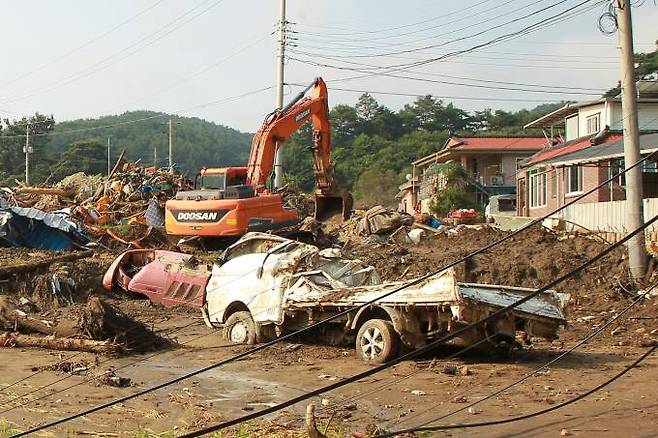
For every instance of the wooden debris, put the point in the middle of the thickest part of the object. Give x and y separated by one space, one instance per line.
116 166
311 428
47 191
9 339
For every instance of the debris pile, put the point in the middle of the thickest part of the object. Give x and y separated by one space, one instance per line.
121 207
48 301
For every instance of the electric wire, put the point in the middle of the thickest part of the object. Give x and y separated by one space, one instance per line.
646 354
378 38
479 32
360 32
637 299
589 337
133 48
85 44
413 354
343 313
461 84
393 93
143 119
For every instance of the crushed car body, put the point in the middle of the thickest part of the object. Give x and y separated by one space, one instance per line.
264 286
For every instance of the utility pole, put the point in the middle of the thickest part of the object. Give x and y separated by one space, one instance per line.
109 156
634 208
155 157
278 163
27 155
171 146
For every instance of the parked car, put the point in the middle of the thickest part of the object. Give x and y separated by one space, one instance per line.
264 286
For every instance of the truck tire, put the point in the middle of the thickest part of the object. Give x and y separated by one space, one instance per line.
240 328
377 342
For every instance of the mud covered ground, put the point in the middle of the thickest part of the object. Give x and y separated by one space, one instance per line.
531 259
407 394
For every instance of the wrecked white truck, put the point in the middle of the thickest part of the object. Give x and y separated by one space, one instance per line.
264 286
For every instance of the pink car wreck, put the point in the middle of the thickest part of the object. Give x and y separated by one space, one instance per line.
264 286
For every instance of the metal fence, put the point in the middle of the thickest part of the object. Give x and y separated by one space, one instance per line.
608 218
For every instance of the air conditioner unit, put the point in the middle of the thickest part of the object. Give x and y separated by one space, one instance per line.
497 180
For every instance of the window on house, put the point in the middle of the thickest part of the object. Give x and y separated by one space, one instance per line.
617 166
574 179
554 183
593 123
538 182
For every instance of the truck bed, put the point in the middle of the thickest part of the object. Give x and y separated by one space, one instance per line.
311 290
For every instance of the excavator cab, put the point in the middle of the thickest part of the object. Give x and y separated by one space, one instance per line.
330 207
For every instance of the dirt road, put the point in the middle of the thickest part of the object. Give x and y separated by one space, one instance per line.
408 394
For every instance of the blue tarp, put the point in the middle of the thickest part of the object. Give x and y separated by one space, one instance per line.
34 228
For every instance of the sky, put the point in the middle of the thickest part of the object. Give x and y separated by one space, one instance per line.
216 59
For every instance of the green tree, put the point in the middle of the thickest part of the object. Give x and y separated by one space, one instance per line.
428 113
454 195
376 186
646 64
12 143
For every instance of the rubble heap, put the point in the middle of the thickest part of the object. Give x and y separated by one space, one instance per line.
122 206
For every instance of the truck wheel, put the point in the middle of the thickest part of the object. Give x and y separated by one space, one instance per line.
377 341
239 328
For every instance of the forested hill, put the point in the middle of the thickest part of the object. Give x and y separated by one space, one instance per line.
372 146
197 142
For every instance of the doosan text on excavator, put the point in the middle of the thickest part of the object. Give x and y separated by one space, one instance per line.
231 201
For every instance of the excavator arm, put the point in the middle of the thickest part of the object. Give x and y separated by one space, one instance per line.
279 126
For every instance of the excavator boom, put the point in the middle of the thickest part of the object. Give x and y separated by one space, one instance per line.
279 126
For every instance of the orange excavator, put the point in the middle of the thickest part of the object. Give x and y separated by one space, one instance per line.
238 200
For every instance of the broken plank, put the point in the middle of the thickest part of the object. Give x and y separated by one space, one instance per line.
47 191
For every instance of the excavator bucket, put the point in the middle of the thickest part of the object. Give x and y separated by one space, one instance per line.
333 207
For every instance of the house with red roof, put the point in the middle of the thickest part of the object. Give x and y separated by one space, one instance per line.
589 152
491 163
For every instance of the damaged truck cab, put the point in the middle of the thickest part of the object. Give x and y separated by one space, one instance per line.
265 286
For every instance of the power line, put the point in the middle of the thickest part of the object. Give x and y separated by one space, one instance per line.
392 93
347 311
638 299
86 44
561 16
416 353
528 29
437 81
112 59
130 122
360 32
583 341
318 36
491 81
527 57
473 35
635 363
175 84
